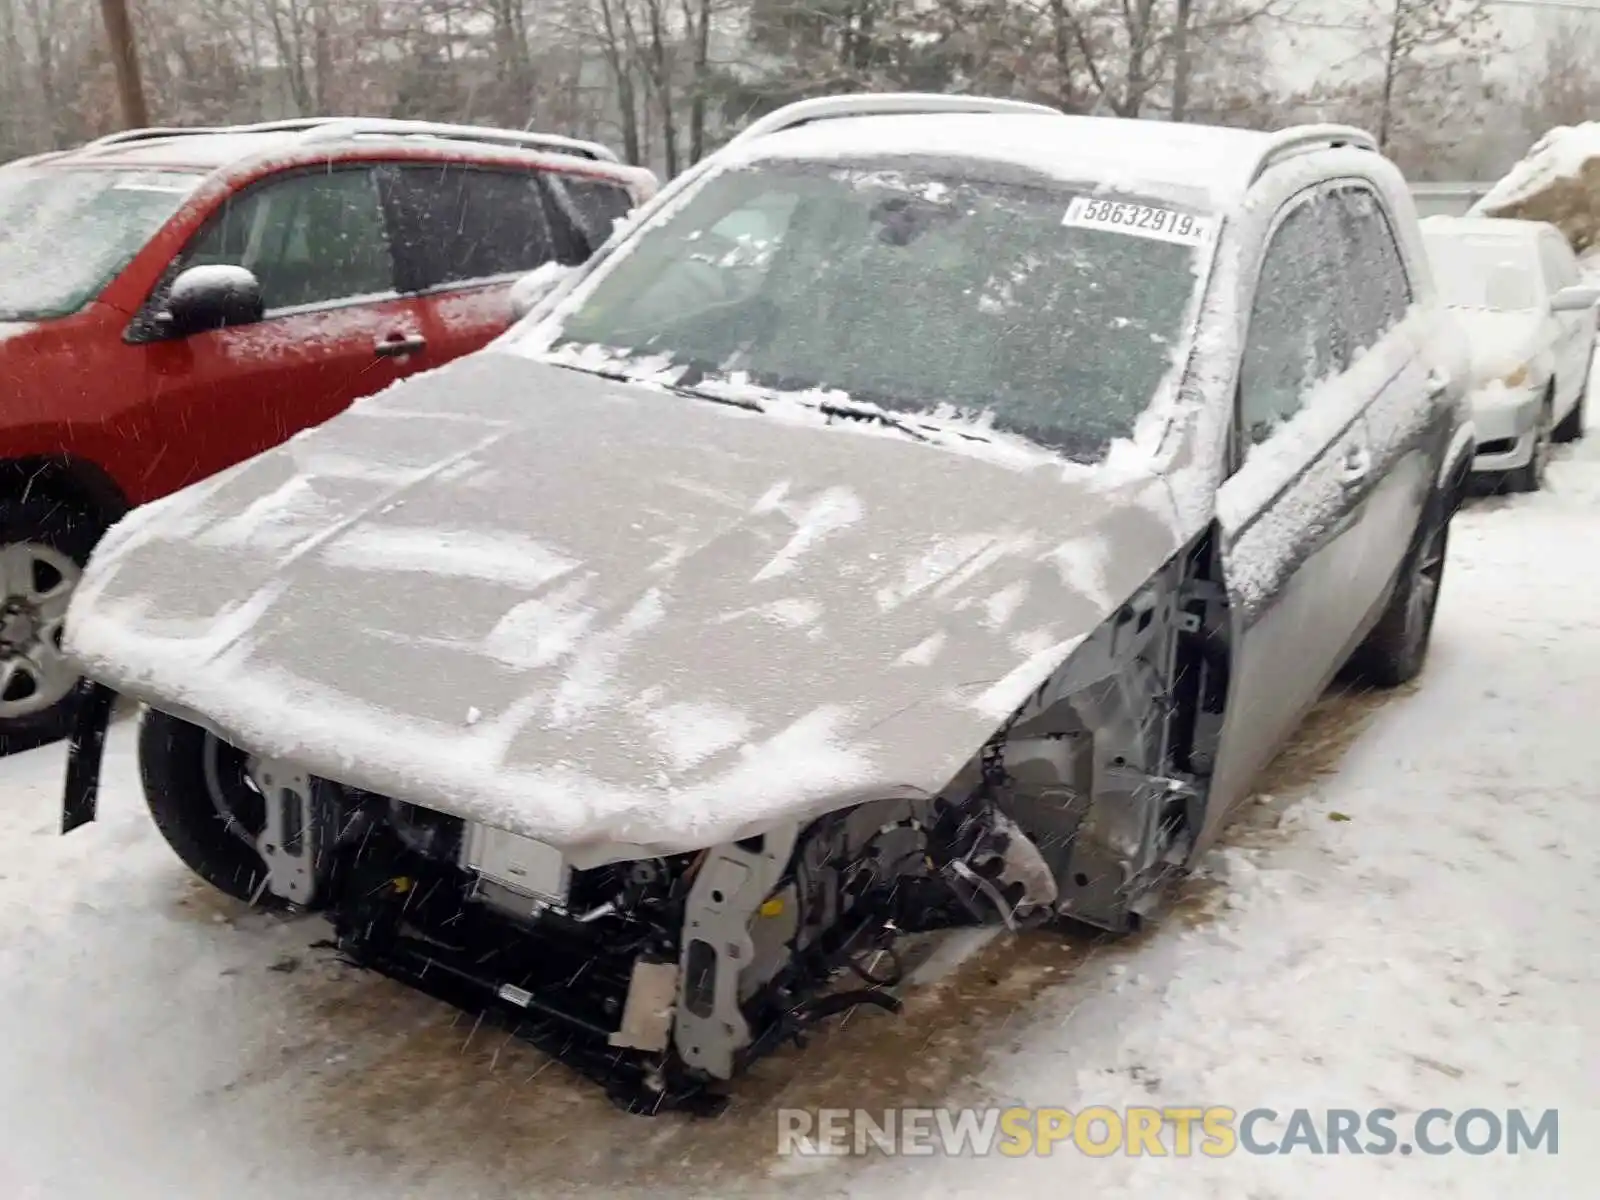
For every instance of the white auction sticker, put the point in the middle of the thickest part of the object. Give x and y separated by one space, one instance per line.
1138 220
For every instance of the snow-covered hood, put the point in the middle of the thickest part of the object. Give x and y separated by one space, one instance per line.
608 616
1499 342
15 329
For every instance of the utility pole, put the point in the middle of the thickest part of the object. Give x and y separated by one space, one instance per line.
125 57
1181 65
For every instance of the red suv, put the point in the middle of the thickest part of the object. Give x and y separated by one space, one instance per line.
174 301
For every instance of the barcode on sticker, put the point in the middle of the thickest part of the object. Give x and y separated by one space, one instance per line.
1137 220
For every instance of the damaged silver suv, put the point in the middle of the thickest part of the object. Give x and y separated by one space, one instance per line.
927 511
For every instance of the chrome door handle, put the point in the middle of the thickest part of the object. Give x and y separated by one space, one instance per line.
396 346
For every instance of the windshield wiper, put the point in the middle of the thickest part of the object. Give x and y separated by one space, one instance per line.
832 408
828 408
920 431
676 389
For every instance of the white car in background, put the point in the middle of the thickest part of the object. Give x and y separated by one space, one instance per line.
1516 288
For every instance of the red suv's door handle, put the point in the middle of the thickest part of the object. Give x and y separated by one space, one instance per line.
393 347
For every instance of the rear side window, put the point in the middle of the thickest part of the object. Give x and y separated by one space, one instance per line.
459 225
1377 289
593 205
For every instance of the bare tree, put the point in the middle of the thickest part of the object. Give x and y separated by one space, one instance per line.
659 67
697 18
1140 57
1182 63
1421 38
666 81
1565 88
125 59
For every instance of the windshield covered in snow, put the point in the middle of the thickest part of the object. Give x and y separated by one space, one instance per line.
930 287
64 234
1499 274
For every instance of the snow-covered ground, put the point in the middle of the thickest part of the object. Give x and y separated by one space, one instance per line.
1408 920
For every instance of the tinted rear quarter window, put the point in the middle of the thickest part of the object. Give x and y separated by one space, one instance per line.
459 225
594 205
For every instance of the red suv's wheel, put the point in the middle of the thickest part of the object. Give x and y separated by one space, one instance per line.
43 546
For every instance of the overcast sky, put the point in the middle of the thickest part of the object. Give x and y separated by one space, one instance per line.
1304 57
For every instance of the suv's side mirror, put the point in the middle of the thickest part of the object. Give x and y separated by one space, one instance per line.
1574 299
535 286
211 297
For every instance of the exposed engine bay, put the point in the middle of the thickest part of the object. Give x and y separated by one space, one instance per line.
662 978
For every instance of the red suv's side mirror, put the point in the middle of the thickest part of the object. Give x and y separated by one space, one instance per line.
211 297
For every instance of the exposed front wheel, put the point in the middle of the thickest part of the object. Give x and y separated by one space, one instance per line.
205 804
43 546
1394 652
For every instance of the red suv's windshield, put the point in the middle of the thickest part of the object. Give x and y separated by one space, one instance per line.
65 233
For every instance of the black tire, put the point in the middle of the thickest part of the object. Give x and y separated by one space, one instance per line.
1530 476
1395 651
1571 427
73 535
173 768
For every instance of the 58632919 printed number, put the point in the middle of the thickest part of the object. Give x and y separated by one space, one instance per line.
1140 220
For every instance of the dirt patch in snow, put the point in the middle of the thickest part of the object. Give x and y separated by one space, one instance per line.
395 1074
1328 731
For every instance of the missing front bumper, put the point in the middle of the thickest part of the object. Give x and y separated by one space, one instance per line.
611 1005
562 999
